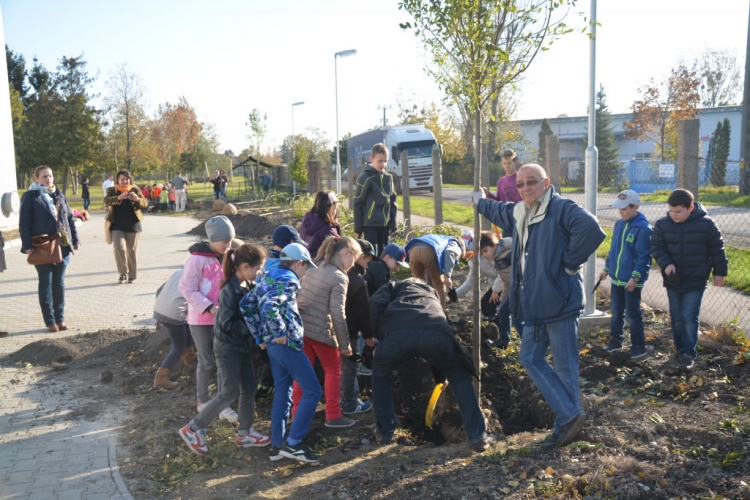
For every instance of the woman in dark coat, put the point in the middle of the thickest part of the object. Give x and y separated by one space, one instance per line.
125 202
321 222
44 210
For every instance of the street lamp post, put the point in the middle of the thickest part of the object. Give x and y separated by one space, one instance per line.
294 140
343 53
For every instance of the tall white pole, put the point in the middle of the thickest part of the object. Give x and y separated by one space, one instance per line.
338 153
343 53
592 164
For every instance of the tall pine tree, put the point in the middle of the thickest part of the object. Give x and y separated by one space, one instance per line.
609 153
720 153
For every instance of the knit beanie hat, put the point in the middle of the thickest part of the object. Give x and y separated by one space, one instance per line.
219 228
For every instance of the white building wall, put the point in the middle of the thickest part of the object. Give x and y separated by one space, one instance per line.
8 219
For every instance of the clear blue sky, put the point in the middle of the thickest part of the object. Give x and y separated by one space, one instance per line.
227 57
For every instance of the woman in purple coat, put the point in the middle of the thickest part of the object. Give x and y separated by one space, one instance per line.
321 221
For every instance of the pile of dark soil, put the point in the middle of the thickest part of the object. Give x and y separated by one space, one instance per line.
45 352
251 226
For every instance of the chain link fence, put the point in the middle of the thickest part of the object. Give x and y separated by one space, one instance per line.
654 181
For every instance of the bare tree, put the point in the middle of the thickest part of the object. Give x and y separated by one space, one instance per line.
129 125
721 78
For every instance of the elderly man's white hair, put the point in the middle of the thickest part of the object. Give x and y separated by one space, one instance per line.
536 168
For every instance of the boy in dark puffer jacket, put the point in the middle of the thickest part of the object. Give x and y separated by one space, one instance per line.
688 246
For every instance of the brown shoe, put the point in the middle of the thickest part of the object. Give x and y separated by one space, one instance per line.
189 355
62 327
162 379
52 328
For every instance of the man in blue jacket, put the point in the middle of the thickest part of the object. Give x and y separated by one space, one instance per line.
554 237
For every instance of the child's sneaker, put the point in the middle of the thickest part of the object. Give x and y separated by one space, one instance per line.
274 453
362 407
252 439
263 391
229 415
196 441
300 453
200 406
340 423
363 370
638 352
613 346
686 362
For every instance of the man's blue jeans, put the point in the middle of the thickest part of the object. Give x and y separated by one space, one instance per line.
86 203
51 291
559 386
288 366
627 305
684 309
439 351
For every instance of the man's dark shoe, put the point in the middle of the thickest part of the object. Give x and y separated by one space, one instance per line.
483 444
549 443
569 431
489 343
379 439
686 362
613 346
638 352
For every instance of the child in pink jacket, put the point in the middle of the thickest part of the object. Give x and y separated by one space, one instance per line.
200 285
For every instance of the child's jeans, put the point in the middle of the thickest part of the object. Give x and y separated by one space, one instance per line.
684 309
179 336
203 338
627 305
330 360
377 236
237 376
349 382
289 366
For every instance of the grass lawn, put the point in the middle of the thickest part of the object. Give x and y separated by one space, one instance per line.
727 196
452 212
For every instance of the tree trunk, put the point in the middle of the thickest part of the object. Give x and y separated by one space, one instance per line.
477 314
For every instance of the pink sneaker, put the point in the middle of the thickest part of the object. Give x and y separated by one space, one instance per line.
253 439
196 441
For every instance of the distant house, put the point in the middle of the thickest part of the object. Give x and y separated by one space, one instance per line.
574 138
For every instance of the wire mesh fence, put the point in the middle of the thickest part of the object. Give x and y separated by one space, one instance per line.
719 196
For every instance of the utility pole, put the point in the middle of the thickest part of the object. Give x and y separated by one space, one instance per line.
383 107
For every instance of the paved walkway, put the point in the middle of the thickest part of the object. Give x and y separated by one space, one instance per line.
45 452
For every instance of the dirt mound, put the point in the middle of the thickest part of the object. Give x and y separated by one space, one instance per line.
45 352
251 226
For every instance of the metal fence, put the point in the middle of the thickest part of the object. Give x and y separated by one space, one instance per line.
654 180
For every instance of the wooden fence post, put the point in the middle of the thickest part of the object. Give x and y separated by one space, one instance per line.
437 185
405 192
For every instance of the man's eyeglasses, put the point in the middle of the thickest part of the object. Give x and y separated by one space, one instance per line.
530 183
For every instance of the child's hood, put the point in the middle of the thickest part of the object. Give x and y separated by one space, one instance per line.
203 248
640 220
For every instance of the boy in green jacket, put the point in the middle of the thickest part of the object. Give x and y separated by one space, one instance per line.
375 201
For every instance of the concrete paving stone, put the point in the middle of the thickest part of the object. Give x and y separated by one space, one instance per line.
69 494
24 466
47 479
23 476
14 491
46 492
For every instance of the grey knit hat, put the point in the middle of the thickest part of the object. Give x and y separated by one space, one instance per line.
219 228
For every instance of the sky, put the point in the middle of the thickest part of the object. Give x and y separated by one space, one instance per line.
230 56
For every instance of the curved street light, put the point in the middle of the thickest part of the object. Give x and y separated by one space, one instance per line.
343 53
